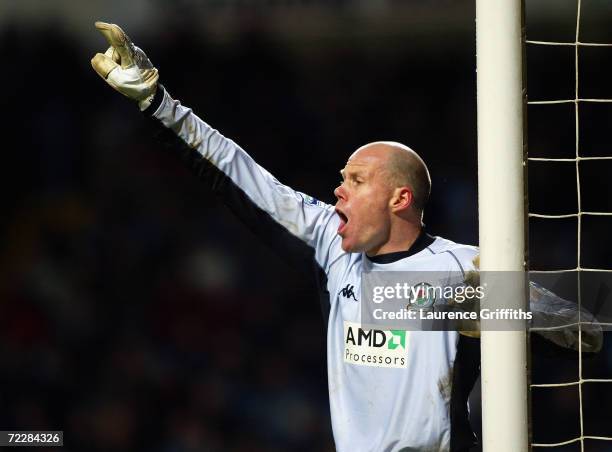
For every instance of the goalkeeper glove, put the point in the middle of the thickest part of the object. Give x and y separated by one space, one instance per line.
125 67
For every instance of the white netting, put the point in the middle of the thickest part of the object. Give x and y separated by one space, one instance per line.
577 100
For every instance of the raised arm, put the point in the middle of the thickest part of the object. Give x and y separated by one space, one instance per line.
293 223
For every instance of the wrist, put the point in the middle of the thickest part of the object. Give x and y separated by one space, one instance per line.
146 102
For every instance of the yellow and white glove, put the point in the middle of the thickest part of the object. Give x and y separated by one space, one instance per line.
125 67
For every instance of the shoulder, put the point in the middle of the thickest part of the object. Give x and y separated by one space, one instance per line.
462 254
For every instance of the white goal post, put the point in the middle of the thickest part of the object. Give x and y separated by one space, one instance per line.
501 196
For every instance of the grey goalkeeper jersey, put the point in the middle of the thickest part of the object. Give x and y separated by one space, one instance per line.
411 397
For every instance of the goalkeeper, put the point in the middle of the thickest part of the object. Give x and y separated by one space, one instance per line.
420 402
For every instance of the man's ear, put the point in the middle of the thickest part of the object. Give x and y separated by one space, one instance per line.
402 199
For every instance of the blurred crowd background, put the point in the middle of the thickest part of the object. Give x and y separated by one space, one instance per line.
137 314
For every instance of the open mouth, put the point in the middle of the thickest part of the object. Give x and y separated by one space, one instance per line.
343 221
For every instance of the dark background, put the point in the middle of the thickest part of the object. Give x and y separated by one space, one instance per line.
137 314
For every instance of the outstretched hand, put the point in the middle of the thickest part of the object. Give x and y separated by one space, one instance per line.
125 67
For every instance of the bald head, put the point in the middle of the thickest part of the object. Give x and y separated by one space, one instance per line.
403 166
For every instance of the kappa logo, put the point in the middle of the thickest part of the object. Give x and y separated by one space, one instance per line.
347 292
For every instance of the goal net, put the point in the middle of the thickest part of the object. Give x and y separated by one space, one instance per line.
570 164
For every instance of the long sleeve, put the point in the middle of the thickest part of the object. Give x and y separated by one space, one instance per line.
295 224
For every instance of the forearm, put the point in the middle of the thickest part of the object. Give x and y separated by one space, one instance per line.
291 222
271 209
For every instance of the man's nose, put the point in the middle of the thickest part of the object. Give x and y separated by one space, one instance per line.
340 193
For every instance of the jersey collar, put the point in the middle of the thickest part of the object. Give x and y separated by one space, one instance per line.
422 242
